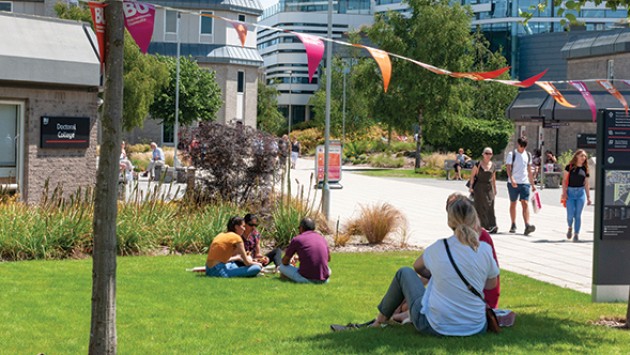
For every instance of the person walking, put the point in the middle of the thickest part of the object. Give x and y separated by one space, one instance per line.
576 191
483 185
295 152
520 181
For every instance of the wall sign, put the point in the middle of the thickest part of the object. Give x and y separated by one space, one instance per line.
587 141
65 132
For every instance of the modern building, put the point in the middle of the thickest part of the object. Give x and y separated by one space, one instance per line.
284 55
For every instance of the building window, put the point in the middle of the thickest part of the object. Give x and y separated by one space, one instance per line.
170 22
206 24
241 17
240 86
6 6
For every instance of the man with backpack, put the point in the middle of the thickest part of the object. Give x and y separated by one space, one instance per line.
520 180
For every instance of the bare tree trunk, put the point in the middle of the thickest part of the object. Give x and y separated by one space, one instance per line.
419 141
628 311
103 338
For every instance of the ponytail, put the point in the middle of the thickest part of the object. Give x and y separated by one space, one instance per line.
463 220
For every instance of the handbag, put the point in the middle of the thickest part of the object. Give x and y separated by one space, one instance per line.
536 204
491 317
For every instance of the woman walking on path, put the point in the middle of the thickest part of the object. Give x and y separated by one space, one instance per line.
575 191
483 184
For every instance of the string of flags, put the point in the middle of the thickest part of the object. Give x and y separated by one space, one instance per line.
140 17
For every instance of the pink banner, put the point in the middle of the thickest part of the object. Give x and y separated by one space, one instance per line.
581 87
98 19
314 52
139 19
614 92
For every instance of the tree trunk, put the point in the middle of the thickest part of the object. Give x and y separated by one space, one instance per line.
103 325
628 311
419 142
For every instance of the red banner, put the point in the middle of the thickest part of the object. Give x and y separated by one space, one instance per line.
241 30
314 52
139 18
522 84
581 87
98 18
481 75
614 92
551 90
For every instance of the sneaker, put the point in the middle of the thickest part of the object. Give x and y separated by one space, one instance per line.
493 230
576 238
569 232
513 228
349 326
529 229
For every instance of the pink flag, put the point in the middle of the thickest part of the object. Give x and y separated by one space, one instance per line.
241 29
581 87
98 18
139 19
314 52
614 92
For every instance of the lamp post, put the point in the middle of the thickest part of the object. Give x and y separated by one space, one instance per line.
290 98
176 125
326 187
343 116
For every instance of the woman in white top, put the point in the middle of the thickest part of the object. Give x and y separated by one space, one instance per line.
446 306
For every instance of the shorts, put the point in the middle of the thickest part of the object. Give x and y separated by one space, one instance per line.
521 190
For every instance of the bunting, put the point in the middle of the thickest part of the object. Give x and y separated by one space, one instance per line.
97 9
241 30
581 87
614 92
553 92
384 63
481 75
139 19
314 51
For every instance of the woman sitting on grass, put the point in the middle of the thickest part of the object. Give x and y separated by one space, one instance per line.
446 306
226 245
251 239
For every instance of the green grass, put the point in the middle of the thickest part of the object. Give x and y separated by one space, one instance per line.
164 310
399 173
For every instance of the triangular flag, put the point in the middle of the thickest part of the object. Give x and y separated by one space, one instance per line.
98 19
551 90
524 83
481 75
384 63
241 29
581 87
314 52
614 92
139 19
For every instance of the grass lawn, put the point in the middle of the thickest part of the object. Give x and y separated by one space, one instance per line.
164 310
399 173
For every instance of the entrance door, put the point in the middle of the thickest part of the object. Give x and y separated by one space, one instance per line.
10 146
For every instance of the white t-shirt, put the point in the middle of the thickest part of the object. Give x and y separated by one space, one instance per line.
449 306
520 166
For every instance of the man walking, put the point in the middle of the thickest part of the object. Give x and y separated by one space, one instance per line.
518 163
313 253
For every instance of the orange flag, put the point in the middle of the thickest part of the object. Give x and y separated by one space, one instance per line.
551 90
241 29
384 63
524 83
481 75
614 92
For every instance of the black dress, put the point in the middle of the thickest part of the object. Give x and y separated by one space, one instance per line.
484 197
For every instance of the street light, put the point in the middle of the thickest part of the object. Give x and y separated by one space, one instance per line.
326 187
176 125
343 117
290 97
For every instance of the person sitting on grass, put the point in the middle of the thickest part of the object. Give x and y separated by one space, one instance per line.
313 254
446 306
226 245
251 240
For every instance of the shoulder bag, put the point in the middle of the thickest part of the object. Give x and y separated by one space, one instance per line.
491 317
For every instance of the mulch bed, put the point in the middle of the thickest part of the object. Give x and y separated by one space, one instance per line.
613 322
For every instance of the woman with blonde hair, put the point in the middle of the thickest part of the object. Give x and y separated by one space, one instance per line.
576 192
446 306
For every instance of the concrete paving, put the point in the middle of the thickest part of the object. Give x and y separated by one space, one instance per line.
545 255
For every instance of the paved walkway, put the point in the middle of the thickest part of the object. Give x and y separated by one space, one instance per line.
545 255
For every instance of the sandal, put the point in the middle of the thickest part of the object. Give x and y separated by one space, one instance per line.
339 327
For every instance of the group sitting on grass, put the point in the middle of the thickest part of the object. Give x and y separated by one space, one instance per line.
236 253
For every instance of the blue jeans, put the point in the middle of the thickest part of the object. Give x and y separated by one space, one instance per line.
230 269
576 199
406 285
292 273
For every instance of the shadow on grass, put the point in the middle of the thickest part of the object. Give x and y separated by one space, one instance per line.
531 333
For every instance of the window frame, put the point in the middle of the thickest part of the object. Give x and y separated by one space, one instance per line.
10 5
201 19
166 24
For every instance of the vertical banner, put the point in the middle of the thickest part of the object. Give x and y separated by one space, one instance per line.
139 18
241 30
614 92
384 63
98 18
581 87
314 52
553 92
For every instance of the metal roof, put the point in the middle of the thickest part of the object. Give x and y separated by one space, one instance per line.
235 55
210 53
597 43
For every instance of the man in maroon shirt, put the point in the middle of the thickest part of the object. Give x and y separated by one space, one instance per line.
312 251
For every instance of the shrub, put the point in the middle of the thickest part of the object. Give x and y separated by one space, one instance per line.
397 146
377 221
436 160
309 139
385 160
453 132
564 158
137 148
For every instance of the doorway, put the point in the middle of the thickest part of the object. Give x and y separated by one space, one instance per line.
11 146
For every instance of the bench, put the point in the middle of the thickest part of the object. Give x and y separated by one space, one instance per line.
448 167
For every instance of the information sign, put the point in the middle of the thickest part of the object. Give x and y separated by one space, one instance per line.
617 140
587 141
334 162
65 132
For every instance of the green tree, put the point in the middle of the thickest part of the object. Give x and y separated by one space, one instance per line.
199 93
144 75
269 118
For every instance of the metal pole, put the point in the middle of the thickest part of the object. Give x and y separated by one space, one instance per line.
176 126
343 117
290 98
326 189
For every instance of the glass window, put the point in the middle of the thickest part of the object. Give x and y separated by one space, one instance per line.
240 86
206 24
6 6
170 22
241 17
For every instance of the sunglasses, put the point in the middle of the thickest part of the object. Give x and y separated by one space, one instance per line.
487 153
252 224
